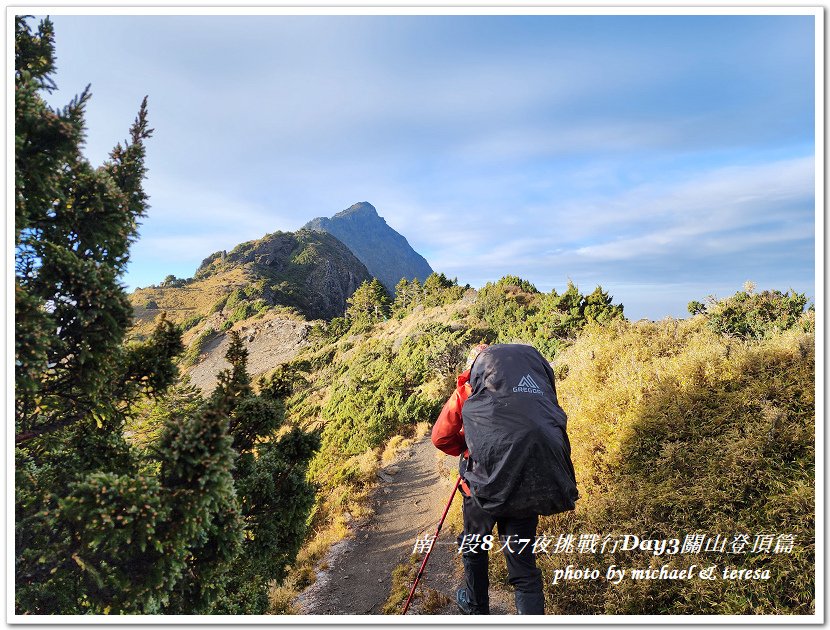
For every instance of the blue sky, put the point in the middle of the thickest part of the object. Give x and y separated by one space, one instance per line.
664 157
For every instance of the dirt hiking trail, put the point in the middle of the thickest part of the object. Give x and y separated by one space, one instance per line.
407 506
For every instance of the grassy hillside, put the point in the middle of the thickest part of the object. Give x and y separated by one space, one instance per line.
185 304
679 431
679 428
676 429
309 273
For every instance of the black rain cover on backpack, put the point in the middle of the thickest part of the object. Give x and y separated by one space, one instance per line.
520 456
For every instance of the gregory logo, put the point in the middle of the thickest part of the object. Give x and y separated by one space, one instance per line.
527 385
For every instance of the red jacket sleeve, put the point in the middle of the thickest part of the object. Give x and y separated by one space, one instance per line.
448 432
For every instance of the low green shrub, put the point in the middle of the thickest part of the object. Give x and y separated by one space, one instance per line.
190 322
194 350
751 315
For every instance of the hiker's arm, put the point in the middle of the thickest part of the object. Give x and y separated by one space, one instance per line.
447 434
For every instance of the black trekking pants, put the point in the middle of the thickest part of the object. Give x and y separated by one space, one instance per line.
521 563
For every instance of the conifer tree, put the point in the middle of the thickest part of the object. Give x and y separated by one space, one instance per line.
270 477
438 290
367 305
100 527
416 292
379 300
403 297
599 307
570 309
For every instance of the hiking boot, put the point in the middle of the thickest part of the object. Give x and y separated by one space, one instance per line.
476 583
462 598
530 603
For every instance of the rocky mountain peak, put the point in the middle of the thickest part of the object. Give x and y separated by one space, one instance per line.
387 254
362 209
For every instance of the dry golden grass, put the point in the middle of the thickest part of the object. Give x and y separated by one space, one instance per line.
395 445
434 601
422 429
677 430
281 599
399 443
402 577
181 303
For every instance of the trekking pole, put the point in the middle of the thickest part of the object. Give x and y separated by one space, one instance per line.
437 531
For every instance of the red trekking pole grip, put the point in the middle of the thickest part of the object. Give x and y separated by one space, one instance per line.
435 538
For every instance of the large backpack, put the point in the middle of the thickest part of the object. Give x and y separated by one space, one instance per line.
520 457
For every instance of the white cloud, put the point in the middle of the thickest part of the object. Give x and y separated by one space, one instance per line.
203 207
713 215
521 142
722 199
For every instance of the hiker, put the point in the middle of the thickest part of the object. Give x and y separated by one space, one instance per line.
504 421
